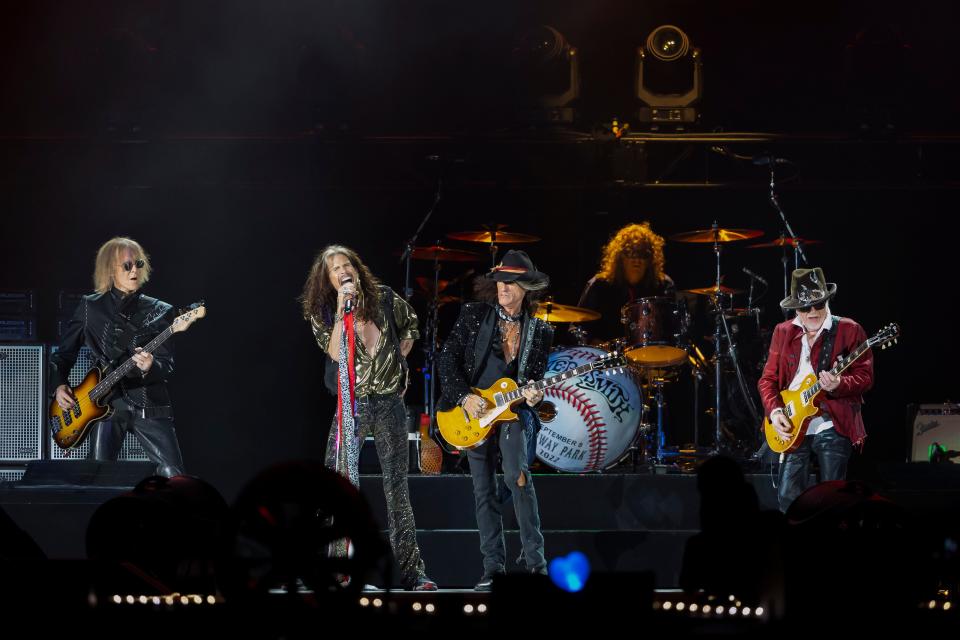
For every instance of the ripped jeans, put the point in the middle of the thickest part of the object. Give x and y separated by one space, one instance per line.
515 442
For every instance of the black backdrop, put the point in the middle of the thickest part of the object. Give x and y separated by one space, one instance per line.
248 386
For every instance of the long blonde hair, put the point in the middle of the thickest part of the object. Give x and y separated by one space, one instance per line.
632 237
106 263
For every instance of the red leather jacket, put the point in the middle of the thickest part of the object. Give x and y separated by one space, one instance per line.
843 404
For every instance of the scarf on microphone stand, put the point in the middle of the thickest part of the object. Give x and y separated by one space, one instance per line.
347 442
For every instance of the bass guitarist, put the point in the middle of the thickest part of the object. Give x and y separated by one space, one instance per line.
112 322
810 343
492 339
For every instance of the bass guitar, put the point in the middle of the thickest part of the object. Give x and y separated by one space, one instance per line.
71 426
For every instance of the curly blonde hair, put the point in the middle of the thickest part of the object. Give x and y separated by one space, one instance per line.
633 237
106 263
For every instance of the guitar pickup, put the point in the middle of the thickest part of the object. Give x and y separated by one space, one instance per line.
76 410
67 418
55 425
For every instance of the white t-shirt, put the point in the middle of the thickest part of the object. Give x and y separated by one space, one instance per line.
821 422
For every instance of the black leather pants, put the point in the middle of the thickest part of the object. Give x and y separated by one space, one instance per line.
157 436
832 451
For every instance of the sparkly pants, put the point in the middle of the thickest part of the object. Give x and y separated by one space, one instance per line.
384 416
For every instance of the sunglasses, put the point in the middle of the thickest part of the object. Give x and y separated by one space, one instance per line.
128 265
819 307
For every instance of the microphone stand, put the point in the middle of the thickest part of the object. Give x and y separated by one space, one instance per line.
407 254
798 253
428 344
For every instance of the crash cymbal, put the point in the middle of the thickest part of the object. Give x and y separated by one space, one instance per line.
709 291
445 255
721 235
783 242
555 312
493 233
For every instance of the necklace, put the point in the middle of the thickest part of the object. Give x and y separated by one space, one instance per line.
503 315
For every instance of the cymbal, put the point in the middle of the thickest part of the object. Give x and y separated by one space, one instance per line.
555 312
445 255
721 235
426 284
493 233
783 242
709 291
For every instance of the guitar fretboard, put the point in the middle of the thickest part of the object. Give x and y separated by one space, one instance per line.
540 385
842 364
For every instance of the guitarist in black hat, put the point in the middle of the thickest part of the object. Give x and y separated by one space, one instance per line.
492 339
809 344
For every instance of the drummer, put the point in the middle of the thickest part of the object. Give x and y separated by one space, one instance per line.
631 268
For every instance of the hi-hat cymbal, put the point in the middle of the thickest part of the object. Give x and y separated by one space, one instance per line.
445 255
555 312
783 242
718 235
710 291
493 233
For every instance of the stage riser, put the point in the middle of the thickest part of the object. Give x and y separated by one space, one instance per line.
453 559
567 502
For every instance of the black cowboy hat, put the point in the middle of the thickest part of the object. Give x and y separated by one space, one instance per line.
516 266
808 287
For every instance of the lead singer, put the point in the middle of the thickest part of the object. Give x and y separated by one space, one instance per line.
367 330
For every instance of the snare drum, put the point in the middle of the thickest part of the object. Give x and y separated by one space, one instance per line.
654 328
591 421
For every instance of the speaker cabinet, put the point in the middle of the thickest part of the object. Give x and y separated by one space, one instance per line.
938 423
21 402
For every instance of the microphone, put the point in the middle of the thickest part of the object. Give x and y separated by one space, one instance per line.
348 303
764 160
753 275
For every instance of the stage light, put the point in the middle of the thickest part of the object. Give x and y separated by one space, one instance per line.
431 608
547 76
669 79
570 573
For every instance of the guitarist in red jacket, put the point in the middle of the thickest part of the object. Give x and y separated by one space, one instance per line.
796 350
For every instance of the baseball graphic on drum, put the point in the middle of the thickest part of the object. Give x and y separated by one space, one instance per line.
595 418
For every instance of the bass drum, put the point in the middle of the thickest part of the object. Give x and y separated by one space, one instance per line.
589 422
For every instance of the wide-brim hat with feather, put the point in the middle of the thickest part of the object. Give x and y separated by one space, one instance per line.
517 266
808 287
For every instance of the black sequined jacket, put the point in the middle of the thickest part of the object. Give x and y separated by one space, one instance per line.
464 350
112 325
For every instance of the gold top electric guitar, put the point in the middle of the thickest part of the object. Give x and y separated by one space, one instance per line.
71 426
464 432
800 406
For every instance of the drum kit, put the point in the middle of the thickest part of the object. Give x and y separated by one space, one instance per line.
595 422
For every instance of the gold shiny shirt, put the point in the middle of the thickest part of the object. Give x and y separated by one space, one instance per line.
382 373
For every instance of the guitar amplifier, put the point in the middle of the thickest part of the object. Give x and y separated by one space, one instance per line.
938 423
21 402
131 449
